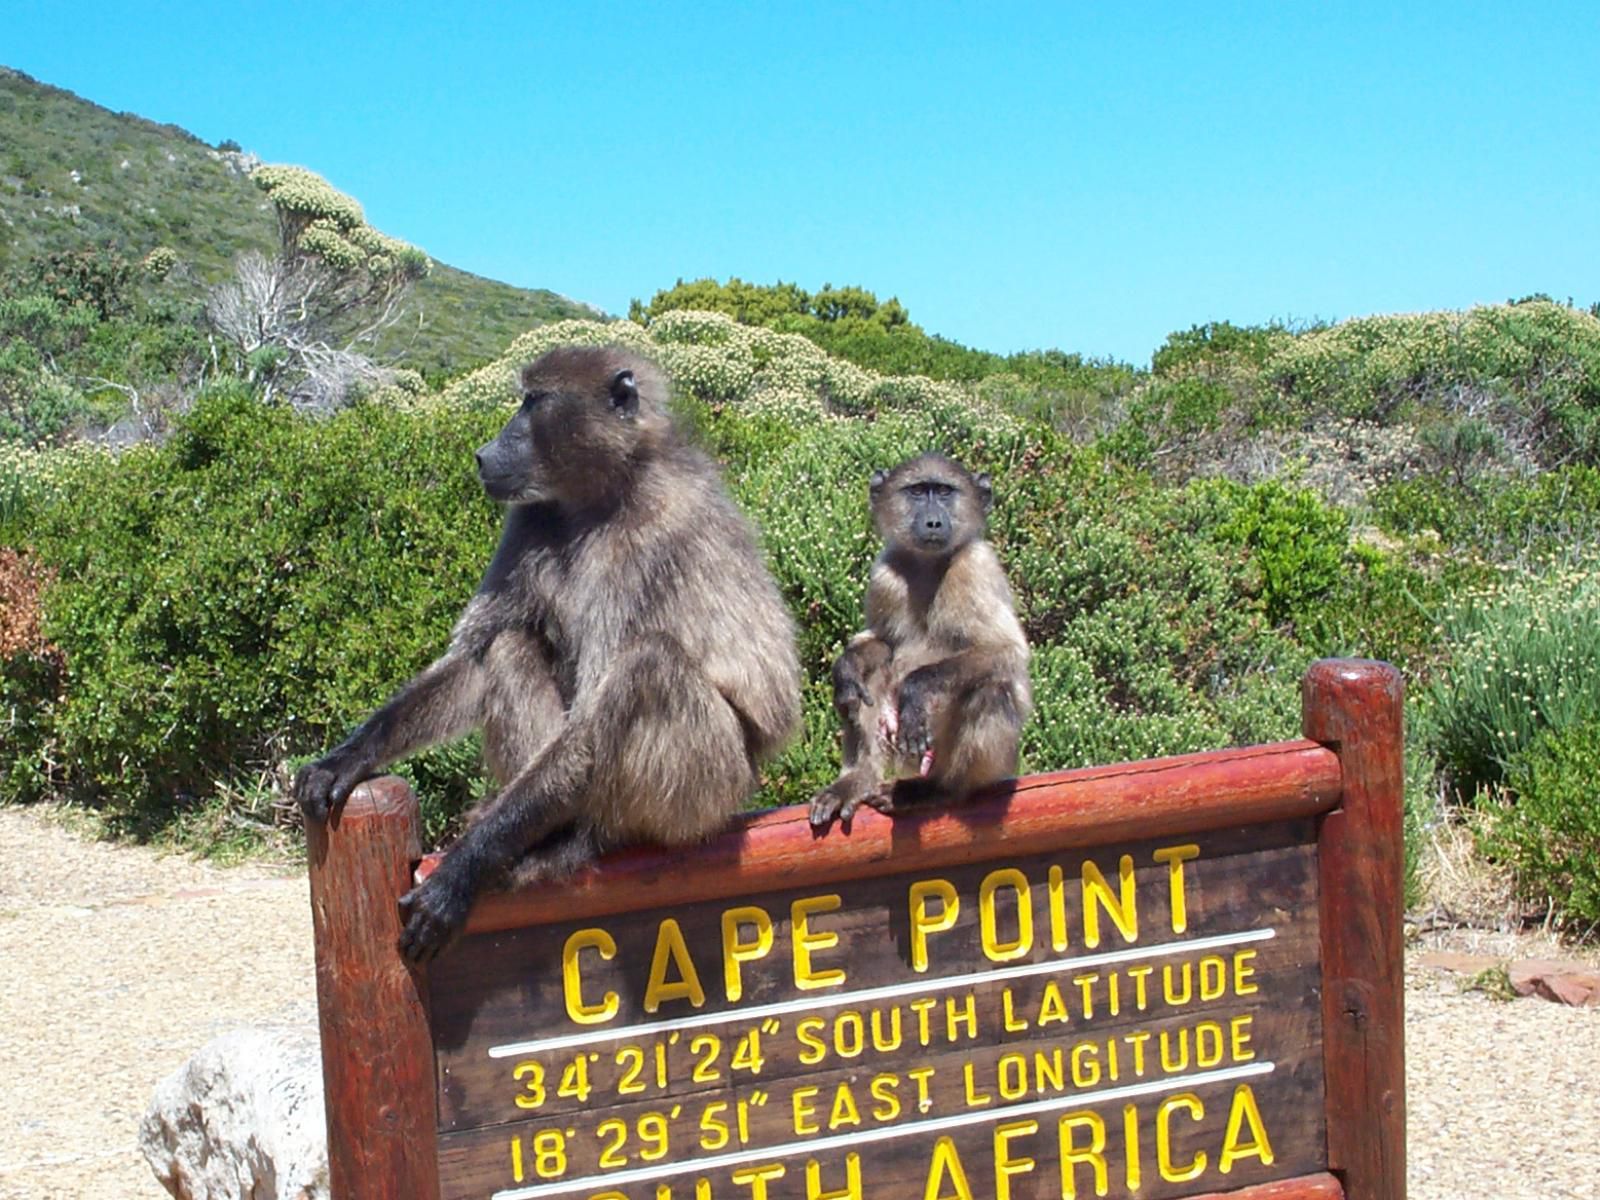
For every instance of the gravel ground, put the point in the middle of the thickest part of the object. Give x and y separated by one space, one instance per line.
121 962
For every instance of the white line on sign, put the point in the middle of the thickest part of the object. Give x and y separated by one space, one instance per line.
868 995
933 1125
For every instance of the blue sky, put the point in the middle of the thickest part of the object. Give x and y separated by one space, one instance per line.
1091 177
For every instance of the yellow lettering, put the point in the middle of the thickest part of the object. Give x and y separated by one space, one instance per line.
1139 975
1008 1018
1137 1039
804 1110
1171 1171
849 1034
1086 986
1052 1007
806 942
1094 1154
881 1042
572 983
1213 977
1085 1064
1207 1044
670 947
922 1008
988 920
805 1032
923 922
1239 1038
921 1075
1244 1112
1013 1076
852 1180
946 1162
974 1099
1004 1165
1057 892
1243 972
1050 1070
1097 894
844 1110
757 1178
968 1016
1133 1174
1175 857
735 950
885 1089
1185 973
1169 1064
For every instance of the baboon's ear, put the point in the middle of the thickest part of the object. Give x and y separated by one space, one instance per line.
985 493
624 393
875 484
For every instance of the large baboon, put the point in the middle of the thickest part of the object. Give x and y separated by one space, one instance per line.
935 689
627 655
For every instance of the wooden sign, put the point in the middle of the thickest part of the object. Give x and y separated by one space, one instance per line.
1176 978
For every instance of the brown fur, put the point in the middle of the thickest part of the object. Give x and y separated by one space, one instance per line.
942 667
627 656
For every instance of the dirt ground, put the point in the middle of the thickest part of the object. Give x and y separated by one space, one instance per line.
120 962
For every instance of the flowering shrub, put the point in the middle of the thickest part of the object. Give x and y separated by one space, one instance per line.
1535 364
1523 662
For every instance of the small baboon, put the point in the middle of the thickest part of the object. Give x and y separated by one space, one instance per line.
627 655
935 690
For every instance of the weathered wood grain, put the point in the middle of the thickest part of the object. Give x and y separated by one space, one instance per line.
1063 810
1355 708
377 1053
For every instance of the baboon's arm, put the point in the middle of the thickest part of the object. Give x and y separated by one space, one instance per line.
861 698
949 679
529 810
441 702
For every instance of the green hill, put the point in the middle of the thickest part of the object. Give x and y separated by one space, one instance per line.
73 173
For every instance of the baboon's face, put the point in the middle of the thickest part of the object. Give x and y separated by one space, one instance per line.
930 505
582 421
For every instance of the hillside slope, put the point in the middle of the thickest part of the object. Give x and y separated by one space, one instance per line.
74 173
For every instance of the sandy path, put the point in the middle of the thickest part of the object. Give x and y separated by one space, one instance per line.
119 963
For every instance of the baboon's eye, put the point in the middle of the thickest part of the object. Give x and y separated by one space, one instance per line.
530 398
943 490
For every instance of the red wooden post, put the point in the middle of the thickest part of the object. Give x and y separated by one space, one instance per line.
377 1053
1353 706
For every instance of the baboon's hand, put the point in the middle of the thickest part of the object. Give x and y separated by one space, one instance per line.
841 799
435 911
914 732
322 787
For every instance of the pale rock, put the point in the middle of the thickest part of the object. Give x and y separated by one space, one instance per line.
242 1120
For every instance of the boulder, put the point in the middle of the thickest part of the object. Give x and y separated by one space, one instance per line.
1563 982
242 1120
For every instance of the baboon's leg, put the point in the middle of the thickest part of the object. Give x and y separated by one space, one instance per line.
538 802
561 854
974 743
654 753
439 703
521 705
671 760
861 698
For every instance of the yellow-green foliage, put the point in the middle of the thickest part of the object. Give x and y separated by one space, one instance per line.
1373 366
712 358
321 221
1524 661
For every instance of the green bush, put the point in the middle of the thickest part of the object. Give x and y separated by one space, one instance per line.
1548 829
1299 545
1523 662
242 594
